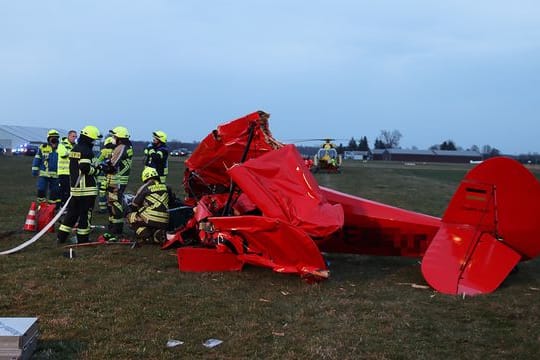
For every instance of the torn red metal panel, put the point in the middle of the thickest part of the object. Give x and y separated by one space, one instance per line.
292 209
271 243
281 186
224 147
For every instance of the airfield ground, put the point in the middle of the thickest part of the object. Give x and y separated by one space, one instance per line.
121 303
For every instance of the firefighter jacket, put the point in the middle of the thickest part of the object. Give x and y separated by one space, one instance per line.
120 163
157 158
45 162
82 172
152 203
64 148
105 153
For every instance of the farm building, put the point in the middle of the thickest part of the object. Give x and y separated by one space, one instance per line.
14 137
451 156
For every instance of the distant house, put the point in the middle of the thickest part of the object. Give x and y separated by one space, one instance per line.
450 156
14 136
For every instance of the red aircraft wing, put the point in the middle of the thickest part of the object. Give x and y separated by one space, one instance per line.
271 243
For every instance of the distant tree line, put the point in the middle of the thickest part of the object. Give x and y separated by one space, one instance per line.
390 139
386 140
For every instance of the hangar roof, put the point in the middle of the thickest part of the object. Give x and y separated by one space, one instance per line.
29 134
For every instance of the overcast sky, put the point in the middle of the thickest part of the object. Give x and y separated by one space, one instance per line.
467 71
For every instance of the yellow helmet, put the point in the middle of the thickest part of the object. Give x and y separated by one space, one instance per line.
92 132
148 173
53 132
120 132
108 140
160 135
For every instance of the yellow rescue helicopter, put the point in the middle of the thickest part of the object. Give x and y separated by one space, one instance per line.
327 158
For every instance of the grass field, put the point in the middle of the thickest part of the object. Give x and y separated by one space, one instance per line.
121 303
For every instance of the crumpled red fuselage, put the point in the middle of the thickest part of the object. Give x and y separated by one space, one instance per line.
256 202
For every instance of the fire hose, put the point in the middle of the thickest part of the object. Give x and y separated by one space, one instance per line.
40 233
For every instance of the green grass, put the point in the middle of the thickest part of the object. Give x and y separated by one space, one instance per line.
119 303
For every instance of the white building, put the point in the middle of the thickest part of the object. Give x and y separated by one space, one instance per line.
13 136
356 155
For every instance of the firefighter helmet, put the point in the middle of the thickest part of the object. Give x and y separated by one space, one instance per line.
120 132
160 135
92 132
108 140
53 133
148 173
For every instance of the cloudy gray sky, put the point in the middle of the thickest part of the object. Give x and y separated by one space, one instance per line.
468 71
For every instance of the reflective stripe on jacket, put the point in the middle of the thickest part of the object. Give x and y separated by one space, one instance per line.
152 203
64 147
46 161
121 159
82 172
157 157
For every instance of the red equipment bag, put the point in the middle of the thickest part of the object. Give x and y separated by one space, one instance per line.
45 215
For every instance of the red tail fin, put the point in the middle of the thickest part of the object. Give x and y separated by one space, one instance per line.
492 222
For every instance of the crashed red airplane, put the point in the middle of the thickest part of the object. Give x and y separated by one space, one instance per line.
255 202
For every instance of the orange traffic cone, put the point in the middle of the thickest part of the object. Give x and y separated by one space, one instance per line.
30 223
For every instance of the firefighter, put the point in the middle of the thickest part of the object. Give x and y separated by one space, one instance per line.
64 148
149 216
104 155
45 166
117 170
157 155
82 175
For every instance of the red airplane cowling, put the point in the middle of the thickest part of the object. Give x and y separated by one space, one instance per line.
224 147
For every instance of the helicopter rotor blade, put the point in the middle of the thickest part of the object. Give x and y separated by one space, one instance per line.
294 141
